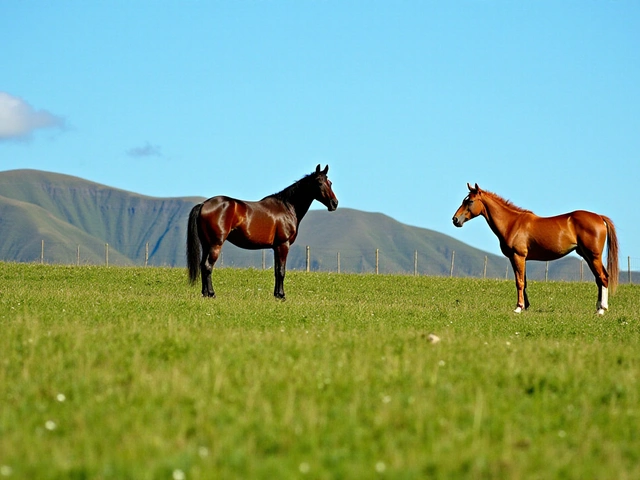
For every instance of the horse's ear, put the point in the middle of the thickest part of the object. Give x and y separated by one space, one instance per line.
469 187
318 169
477 188
326 169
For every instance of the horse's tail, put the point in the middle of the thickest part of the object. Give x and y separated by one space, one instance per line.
193 244
613 268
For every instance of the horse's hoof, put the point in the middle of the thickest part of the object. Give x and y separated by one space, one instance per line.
600 311
518 310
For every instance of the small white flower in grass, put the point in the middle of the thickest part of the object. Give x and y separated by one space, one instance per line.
50 425
386 399
61 397
441 363
6 470
178 474
203 452
562 434
380 467
304 467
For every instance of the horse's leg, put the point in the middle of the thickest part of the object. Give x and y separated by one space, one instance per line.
279 267
524 291
603 299
594 260
519 265
209 258
602 281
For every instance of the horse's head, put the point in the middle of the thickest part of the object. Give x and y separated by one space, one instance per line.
325 194
471 206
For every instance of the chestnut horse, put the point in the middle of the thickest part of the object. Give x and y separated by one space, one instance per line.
270 223
525 236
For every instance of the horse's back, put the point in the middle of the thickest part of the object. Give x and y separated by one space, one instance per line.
219 201
578 221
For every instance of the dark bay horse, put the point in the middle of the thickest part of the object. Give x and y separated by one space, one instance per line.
525 236
270 223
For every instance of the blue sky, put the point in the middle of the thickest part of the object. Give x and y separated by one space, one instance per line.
407 101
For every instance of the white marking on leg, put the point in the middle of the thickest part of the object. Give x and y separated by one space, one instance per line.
605 298
518 309
600 311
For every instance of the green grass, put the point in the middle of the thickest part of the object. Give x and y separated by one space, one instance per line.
127 373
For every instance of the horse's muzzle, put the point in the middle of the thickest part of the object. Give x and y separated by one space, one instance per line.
333 204
457 222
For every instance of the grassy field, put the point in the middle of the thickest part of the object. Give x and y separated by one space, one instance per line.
127 373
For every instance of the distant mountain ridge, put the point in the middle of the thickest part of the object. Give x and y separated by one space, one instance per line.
66 211
78 218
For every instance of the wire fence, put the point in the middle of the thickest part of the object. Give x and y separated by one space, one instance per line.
458 264
439 262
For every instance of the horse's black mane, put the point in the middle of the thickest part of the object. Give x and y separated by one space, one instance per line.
291 191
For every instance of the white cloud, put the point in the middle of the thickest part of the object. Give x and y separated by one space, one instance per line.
18 119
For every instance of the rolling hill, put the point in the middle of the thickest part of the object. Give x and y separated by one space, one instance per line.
76 219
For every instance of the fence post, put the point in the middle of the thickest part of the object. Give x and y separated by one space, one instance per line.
453 256
629 268
308 258
338 262
263 259
546 272
106 254
78 256
415 263
377 259
42 252
146 254
581 270
484 271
